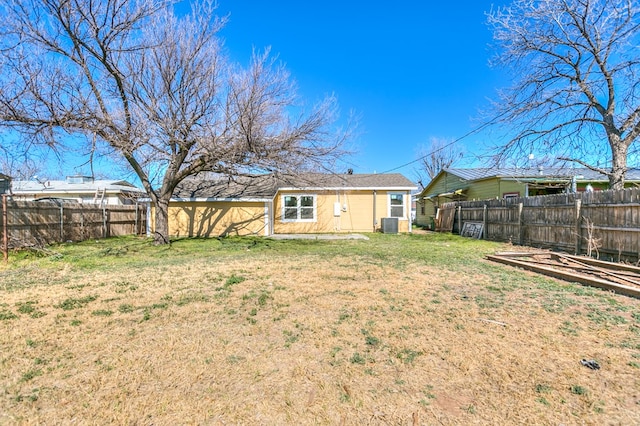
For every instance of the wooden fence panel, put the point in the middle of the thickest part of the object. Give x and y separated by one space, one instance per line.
604 221
614 229
31 223
503 224
445 219
22 217
546 226
88 223
121 223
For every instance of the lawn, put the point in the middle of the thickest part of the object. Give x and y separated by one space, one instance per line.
399 329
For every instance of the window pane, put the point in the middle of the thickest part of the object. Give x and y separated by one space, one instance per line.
396 199
397 211
290 201
290 213
306 213
306 201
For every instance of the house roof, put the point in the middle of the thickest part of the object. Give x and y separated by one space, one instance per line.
245 187
265 187
72 186
347 181
581 174
549 174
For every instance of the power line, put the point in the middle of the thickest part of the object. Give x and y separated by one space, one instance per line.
466 135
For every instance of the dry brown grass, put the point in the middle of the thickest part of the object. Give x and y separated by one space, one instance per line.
315 339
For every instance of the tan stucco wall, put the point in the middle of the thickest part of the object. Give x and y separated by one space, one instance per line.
212 219
215 218
356 217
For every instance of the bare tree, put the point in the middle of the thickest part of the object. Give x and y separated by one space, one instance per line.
576 68
156 89
438 155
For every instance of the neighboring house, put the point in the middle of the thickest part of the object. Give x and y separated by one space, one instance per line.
5 184
310 203
483 183
81 189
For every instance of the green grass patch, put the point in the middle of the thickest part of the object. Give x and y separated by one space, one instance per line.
408 356
75 303
6 315
126 308
102 313
578 390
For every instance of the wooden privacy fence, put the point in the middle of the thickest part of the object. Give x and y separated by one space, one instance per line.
601 223
36 223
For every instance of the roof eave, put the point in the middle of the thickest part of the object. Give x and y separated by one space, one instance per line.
349 188
217 199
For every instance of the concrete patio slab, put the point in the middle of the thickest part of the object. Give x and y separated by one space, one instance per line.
318 237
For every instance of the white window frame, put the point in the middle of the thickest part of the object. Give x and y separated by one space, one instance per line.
299 208
404 205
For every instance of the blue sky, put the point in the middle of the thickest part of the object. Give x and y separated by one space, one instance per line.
412 70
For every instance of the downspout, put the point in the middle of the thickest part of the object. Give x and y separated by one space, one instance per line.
272 217
149 218
336 218
409 210
265 218
375 222
268 219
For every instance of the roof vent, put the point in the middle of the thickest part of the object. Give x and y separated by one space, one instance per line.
79 179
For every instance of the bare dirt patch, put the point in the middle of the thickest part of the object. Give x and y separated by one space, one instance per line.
317 339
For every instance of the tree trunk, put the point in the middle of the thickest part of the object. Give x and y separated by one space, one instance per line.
618 165
161 231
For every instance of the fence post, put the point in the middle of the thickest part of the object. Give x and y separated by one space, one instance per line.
520 224
484 222
459 219
82 222
578 230
104 221
5 229
61 222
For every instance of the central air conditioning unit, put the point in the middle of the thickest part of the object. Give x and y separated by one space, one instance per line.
389 225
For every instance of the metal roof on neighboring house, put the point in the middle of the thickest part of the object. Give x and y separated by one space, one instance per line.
266 186
549 172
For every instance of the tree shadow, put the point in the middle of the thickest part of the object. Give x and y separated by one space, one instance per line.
212 221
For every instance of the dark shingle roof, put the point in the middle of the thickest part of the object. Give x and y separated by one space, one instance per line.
342 181
266 186
257 187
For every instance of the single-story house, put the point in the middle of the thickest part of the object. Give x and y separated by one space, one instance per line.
310 203
455 184
5 184
81 189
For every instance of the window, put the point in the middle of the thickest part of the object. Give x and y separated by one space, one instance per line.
396 205
300 208
511 195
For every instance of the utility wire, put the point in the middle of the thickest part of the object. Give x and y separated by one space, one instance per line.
466 135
